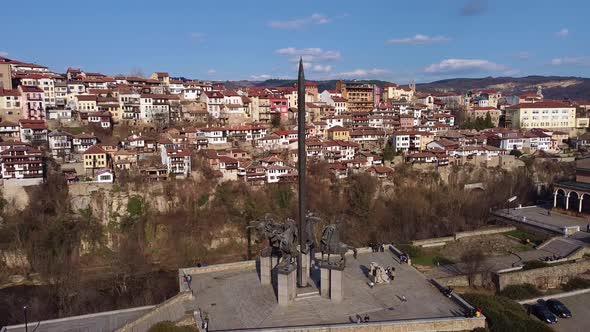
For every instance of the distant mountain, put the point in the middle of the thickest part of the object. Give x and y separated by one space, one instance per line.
322 85
554 87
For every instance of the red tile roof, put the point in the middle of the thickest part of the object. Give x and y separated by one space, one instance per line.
542 104
95 149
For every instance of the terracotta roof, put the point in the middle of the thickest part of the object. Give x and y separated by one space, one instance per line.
26 88
95 149
86 97
13 92
541 104
32 124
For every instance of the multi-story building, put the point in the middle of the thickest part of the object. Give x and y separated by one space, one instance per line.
214 100
359 96
83 141
482 98
481 112
177 161
411 141
9 130
394 92
95 157
61 94
11 104
154 109
33 102
543 114
33 131
86 103
60 143
22 162
5 74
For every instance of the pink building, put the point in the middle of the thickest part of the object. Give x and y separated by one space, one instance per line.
33 102
406 121
279 104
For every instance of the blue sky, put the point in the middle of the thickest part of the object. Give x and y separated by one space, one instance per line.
218 40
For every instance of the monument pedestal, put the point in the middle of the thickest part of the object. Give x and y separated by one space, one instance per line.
331 281
265 268
306 265
286 284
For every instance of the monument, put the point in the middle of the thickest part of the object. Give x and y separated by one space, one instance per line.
291 246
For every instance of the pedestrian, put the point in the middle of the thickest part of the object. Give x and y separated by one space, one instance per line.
382 248
404 298
358 319
366 318
588 228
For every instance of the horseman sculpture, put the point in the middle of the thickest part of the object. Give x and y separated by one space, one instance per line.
330 244
282 238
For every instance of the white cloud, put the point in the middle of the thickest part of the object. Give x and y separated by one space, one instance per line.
197 37
419 40
322 69
4 54
309 54
362 73
564 32
523 55
298 23
211 71
260 77
449 66
571 61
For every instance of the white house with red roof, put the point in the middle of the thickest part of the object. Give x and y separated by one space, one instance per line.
22 163
33 131
178 161
214 101
9 130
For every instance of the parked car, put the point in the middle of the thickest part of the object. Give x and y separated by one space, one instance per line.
543 313
558 308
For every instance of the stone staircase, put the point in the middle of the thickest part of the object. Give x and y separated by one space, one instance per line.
307 293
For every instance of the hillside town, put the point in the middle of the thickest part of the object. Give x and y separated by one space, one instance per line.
99 127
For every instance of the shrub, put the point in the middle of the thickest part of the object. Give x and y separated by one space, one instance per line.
481 329
520 292
503 314
534 265
576 283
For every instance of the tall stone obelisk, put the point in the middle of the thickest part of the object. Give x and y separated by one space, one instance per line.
301 154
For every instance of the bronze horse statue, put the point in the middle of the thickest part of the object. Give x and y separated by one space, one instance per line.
282 237
330 244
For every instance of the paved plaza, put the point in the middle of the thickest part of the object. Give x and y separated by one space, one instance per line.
580 308
234 299
541 214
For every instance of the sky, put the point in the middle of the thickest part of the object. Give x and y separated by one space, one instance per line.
398 41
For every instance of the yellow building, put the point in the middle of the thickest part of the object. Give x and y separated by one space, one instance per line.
338 133
95 157
360 96
544 114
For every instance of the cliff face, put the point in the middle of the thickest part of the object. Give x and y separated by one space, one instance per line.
109 203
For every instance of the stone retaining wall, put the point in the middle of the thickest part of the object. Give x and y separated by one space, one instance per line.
99 322
460 235
414 325
546 277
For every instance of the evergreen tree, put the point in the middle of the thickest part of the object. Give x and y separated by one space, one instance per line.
488 121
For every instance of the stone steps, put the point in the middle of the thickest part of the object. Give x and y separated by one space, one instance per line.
307 295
